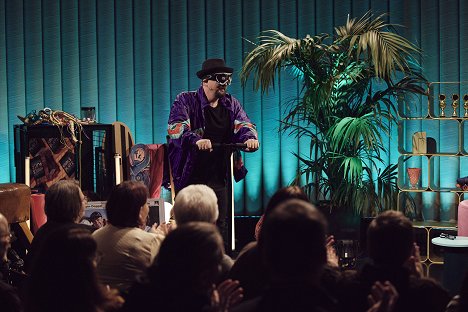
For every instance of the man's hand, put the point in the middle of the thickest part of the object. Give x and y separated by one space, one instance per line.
252 145
204 145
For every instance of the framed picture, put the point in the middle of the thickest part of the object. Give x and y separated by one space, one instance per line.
95 214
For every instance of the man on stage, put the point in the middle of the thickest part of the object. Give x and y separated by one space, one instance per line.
196 121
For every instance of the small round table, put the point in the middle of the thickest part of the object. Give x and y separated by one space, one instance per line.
455 261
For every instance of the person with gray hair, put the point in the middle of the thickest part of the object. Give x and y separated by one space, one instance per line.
5 238
196 202
9 300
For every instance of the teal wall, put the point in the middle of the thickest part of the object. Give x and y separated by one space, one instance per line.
130 58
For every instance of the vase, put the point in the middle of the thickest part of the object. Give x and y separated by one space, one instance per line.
414 174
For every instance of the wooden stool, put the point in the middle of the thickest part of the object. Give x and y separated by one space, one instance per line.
15 199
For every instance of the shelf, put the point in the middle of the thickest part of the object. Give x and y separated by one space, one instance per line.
435 225
428 117
446 133
436 196
435 89
431 155
407 188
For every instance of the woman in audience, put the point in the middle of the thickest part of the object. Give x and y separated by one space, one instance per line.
249 269
64 207
63 276
183 273
281 195
198 203
127 250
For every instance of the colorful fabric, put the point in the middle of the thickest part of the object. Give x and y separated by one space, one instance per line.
238 125
176 130
188 108
147 166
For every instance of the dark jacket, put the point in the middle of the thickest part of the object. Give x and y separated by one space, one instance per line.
415 294
293 297
42 235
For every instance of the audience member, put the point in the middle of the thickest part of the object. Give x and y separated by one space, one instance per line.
5 244
459 303
127 250
9 300
198 203
249 270
293 250
281 195
395 258
63 276
64 207
183 274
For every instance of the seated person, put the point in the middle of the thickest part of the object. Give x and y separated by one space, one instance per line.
293 250
198 202
183 274
249 269
64 207
126 249
9 300
63 276
395 258
280 195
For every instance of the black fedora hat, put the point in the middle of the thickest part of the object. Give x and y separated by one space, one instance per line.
211 66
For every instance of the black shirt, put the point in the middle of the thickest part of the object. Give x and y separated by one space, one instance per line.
211 167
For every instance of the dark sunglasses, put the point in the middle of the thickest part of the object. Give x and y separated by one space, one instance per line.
221 78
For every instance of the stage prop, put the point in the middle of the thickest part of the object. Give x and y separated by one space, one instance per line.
148 164
419 142
14 205
38 216
122 141
55 154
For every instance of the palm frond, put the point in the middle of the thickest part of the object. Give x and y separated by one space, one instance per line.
352 130
388 51
276 51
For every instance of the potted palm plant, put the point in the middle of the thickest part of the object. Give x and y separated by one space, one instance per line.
350 83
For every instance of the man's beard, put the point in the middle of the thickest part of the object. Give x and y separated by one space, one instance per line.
220 93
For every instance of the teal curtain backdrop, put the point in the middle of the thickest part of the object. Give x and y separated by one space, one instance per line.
130 58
